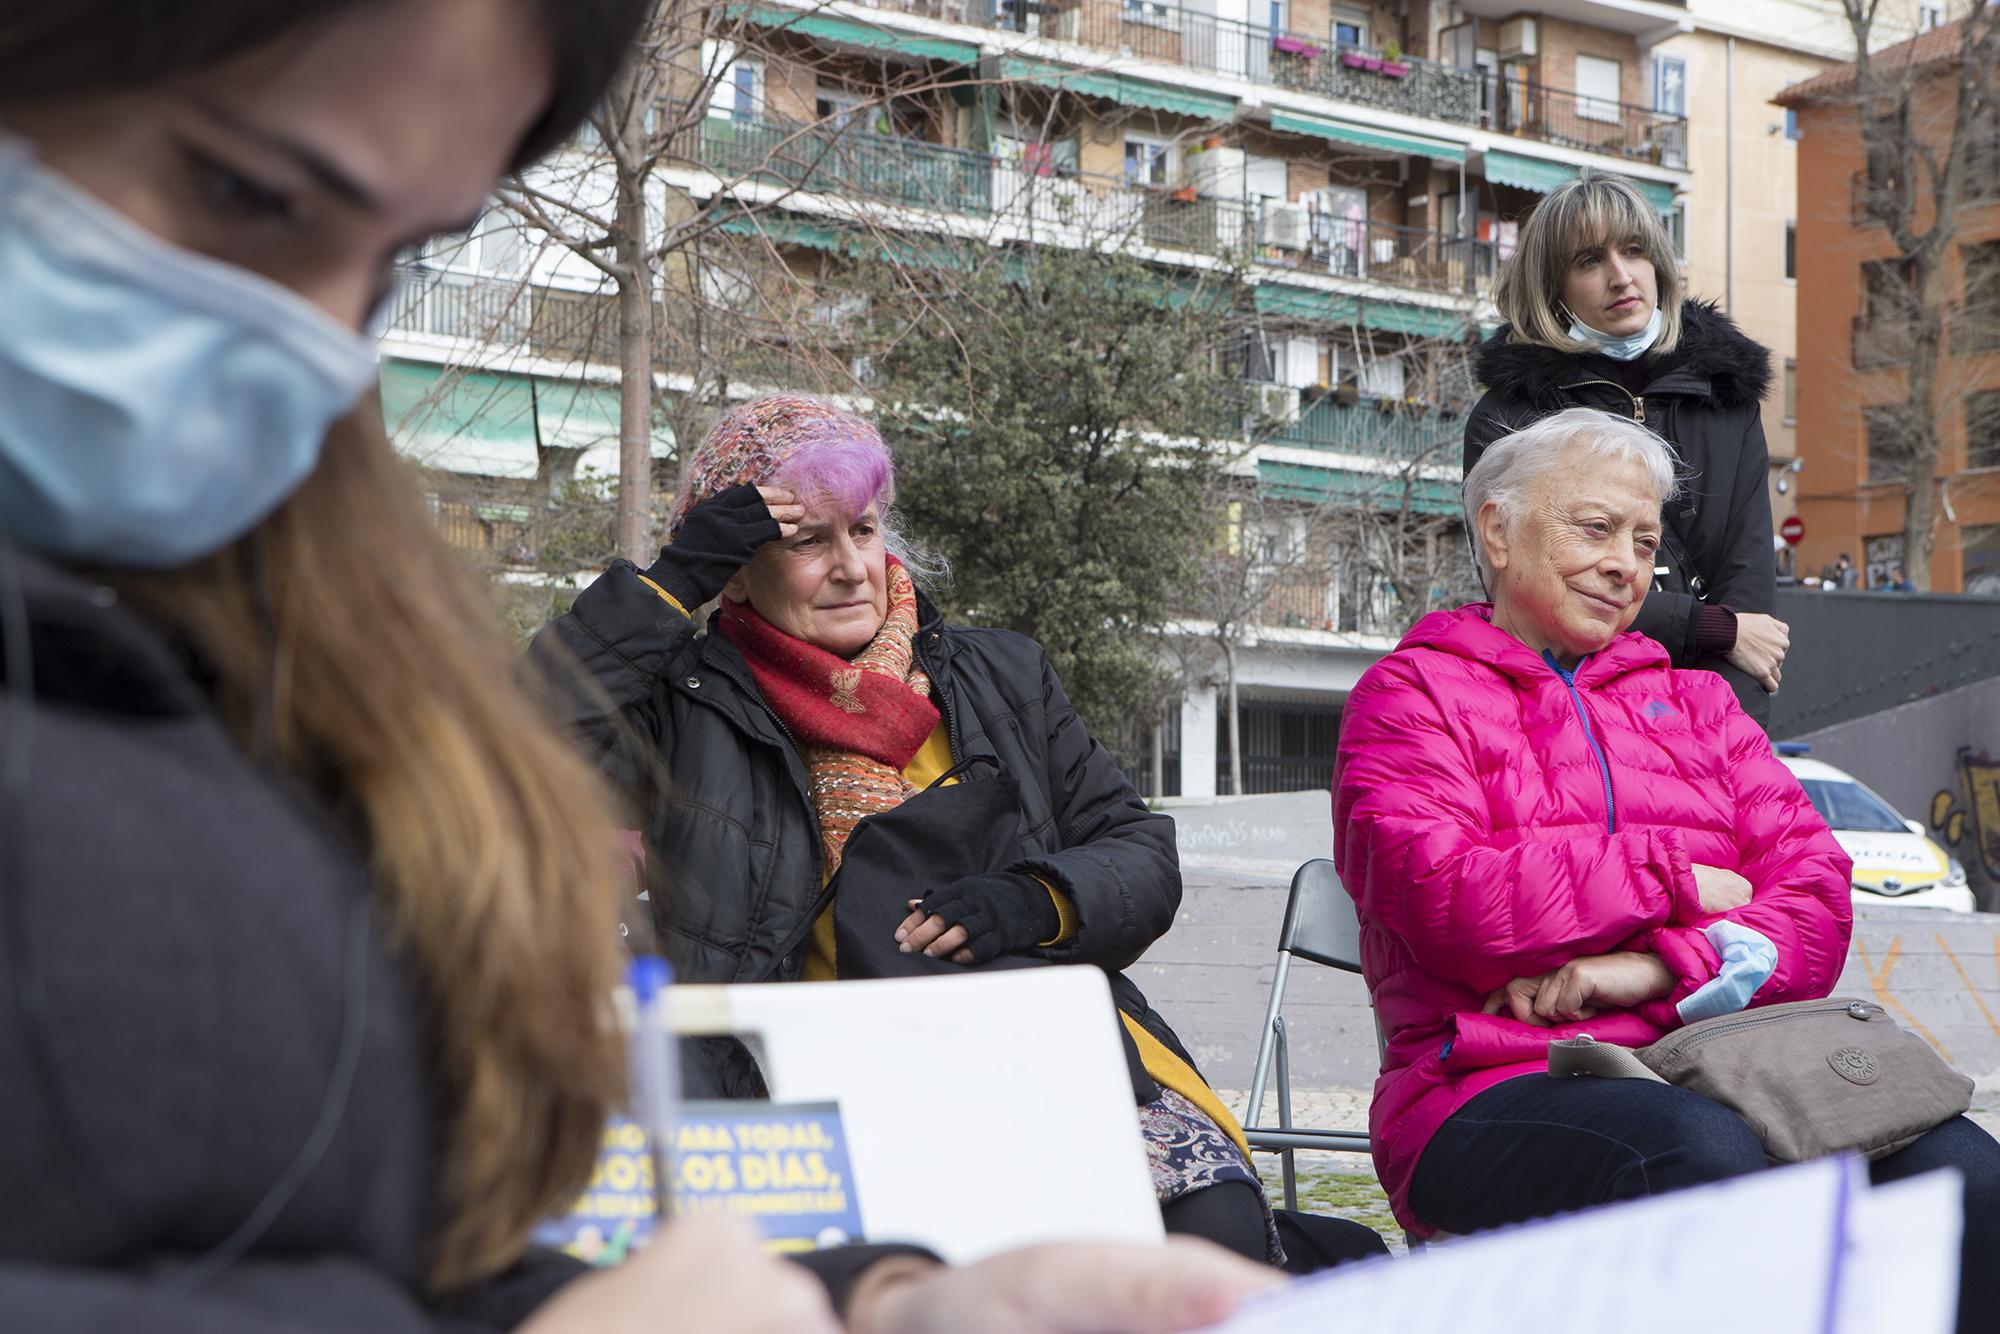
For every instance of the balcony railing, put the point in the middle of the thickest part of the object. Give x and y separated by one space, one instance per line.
1309 63
1377 428
506 312
1097 209
849 160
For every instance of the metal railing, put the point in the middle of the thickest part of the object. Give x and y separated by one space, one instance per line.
1308 63
1376 428
849 159
508 312
1592 124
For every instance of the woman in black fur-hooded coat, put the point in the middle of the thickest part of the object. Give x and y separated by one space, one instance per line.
1596 318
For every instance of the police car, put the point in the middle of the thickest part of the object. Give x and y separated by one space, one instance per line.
1895 864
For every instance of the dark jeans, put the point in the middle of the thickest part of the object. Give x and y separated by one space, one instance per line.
1541 1145
1231 1214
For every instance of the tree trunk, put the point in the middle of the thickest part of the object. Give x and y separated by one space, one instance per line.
635 377
1920 426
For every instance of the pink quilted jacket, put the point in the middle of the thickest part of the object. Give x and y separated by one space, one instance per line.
1492 822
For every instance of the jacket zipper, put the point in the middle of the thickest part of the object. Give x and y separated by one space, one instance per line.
943 697
1767 1017
1638 400
1603 767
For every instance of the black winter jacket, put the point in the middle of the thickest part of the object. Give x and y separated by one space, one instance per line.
1703 399
185 946
678 722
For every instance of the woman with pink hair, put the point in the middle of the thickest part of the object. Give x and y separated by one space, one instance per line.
854 788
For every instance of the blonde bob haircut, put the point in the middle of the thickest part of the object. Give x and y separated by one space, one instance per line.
1597 208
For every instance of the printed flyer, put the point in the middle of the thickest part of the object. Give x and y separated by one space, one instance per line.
784 1166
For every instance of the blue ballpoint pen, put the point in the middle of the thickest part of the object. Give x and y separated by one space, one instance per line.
655 1071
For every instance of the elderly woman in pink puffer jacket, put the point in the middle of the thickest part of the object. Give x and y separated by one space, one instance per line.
1548 831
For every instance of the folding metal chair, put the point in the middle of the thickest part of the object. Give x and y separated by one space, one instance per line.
1320 927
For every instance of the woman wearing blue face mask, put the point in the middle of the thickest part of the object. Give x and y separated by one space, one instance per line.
1596 317
307 916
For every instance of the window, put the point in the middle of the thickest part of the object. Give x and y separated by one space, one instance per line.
1280 15
1149 161
493 245
1677 229
1350 26
1791 249
1792 130
1982 429
1148 11
738 92
1791 390
1885 290
1982 159
1597 88
1889 439
1930 14
1670 85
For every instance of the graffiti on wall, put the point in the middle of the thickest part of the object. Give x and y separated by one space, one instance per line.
1980 776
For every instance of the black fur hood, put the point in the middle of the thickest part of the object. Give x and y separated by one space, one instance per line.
1737 367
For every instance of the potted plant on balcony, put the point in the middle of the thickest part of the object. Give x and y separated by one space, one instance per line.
1184 194
1361 60
1294 46
1392 60
1347 396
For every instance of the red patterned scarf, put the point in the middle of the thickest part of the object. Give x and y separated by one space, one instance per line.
858 722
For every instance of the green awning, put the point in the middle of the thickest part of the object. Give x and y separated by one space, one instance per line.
1417 321
1121 88
460 421
1303 303
1314 485
783 229
1530 173
494 425
1388 141
854 32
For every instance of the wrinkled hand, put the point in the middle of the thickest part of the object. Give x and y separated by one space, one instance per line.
979 918
710 1273
719 536
1583 988
1076 1288
1761 644
1718 889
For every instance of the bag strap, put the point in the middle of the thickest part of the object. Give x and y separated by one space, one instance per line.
1587 1056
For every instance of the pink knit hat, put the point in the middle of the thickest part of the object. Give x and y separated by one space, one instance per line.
793 440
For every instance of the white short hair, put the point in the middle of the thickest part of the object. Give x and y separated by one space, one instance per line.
1512 465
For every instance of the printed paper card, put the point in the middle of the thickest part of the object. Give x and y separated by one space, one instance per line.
784 1166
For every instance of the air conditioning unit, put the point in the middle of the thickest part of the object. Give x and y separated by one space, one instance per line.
1286 226
1274 403
1517 38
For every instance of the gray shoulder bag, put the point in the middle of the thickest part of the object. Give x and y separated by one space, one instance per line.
1811 1077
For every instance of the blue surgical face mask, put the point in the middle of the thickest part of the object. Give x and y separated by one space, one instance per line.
155 405
1628 348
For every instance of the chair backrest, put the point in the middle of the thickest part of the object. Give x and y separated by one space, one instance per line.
1320 923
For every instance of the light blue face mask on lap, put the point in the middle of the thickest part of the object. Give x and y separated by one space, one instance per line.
155 404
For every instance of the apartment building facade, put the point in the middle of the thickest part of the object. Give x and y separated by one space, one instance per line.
1363 168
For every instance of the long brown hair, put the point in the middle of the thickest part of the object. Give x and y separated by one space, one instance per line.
349 647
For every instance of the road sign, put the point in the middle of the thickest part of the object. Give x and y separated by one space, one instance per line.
1793 530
